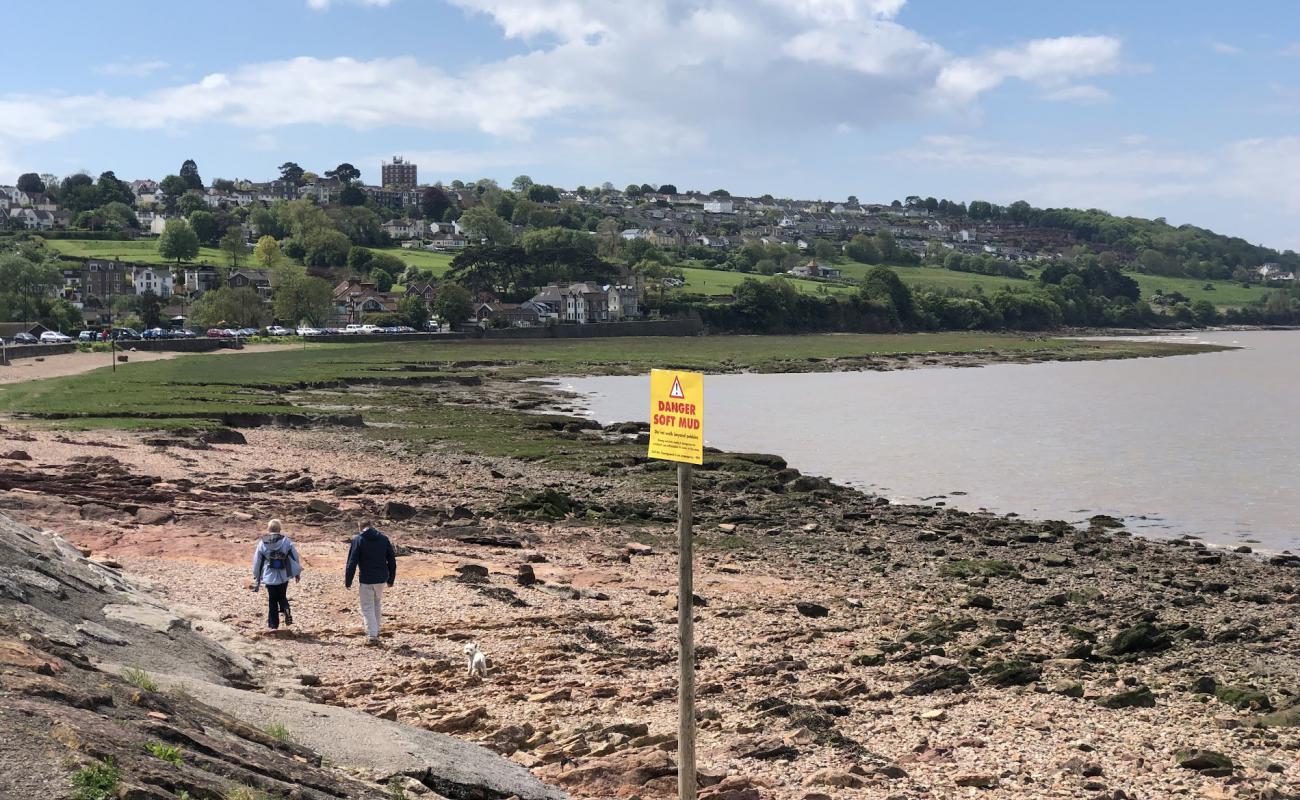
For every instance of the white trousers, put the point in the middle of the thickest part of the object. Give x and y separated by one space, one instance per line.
372 595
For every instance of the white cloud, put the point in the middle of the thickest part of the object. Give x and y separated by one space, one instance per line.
1080 92
1225 48
131 69
1050 63
322 5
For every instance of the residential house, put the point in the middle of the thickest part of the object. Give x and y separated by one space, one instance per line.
514 315
425 291
404 228
31 219
201 278
719 205
1273 272
354 298
256 279
624 300
446 241
16 197
633 233
146 192
809 270
665 237
102 280
8 330
42 202
158 280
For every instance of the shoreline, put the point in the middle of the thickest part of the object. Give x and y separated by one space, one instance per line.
846 644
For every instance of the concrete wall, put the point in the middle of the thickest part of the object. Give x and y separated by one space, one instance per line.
15 351
363 338
199 345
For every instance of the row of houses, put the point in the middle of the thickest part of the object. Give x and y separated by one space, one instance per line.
580 303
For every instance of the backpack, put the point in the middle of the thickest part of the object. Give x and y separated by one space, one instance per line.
277 560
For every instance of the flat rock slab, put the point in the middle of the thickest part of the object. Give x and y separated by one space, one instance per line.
158 619
355 739
102 634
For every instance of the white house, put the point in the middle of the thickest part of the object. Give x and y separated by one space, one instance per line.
719 205
158 280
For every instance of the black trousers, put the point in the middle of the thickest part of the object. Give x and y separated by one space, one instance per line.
277 603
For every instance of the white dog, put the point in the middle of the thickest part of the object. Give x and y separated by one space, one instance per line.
477 661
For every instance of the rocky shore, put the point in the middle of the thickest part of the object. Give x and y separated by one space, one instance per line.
846 647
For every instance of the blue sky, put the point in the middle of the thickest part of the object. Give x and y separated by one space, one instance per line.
1188 110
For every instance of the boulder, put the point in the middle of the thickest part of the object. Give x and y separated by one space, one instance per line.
1012 673
318 506
398 511
938 680
16 455
152 617
828 776
813 610
978 780
1206 762
154 516
1143 637
525 575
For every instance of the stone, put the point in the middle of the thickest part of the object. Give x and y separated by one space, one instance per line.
1243 697
1067 688
1138 697
308 679
727 527
318 506
16 455
398 511
553 696
1206 762
814 610
638 549
978 601
1055 560
764 749
102 634
938 680
870 657
525 576
840 779
152 617
154 516
472 573
696 601
1143 637
977 780
101 513
1012 673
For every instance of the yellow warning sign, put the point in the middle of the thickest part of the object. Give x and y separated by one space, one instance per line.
677 416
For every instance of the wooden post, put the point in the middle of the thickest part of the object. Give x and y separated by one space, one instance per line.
686 638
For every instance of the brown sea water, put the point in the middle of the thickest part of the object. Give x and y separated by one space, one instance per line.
1206 445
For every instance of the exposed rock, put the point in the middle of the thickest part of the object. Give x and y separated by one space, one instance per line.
828 776
154 516
525 575
153 617
398 511
938 680
318 506
977 780
1141 638
814 610
1138 697
1206 762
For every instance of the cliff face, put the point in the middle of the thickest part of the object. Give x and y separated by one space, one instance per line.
99 685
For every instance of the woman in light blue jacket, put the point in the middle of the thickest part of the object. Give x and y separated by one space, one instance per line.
274 562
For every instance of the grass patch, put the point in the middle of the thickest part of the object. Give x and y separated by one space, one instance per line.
140 251
97 781
978 568
278 732
139 679
166 752
245 793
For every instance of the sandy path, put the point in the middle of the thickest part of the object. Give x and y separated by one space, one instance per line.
56 366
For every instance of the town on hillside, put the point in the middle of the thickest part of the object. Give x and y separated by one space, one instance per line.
326 252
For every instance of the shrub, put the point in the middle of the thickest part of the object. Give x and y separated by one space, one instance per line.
96 781
139 679
971 568
166 752
245 793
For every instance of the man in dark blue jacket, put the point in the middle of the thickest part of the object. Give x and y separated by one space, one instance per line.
372 555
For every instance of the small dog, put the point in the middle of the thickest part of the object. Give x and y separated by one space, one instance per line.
477 661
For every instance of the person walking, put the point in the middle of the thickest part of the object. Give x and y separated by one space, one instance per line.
372 556
274 562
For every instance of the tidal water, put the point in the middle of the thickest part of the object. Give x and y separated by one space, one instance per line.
1207 445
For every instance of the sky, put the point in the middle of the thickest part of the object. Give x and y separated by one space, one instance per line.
1182 109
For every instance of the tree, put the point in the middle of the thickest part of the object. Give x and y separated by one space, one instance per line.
27 287
178 242
191 202
289 171
719 193
267 253
387 262
230 307
223 184
413 311
543 193
325 247
204 225
150 309
172 187
361 225
77 193
668 188
31 183
521 184
233 245
483 225
190 174
344 173
352 196
382 278
301 298
454 304
1205 312
434 203
608 237
266 223
359 258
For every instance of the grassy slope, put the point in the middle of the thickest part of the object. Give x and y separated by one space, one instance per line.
143 251
198 389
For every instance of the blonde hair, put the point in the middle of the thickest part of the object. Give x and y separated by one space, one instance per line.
273 526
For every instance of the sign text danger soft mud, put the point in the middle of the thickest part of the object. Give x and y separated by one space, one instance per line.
677 416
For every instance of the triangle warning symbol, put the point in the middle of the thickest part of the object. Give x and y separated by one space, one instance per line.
677 389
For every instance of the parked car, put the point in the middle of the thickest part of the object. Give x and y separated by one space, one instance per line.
54 337
353 328
307 331
219 333
90 336
276 330
125 333
183 333
24 338
371 329
156 333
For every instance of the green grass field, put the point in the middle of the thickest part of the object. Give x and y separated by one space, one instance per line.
200 389
721 282
141 251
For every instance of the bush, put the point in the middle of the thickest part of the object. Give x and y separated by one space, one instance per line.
96 781
278 732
